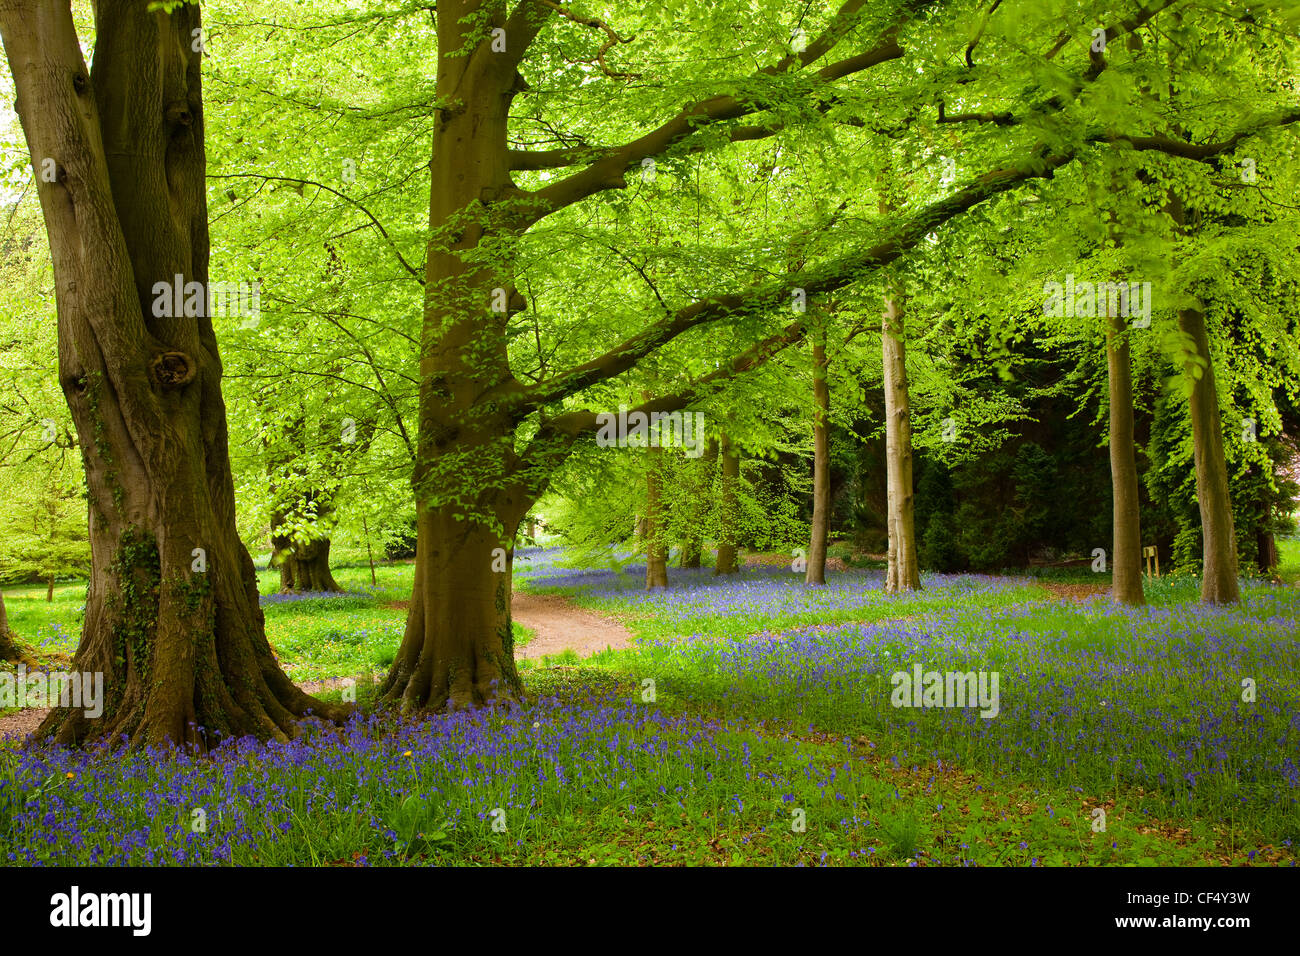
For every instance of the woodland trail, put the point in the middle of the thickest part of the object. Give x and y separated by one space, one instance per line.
561 625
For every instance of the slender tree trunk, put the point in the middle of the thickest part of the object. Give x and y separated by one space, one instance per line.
1126 547
656 557
816 570
728 508
701 479
370 555
1219 537
904 573
171 619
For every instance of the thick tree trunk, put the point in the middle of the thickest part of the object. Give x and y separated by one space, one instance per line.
1219 586
306 567
471 489
172 619
1266 546
728 506
1126 547
904 568
304 564
8 649
816 570
458 650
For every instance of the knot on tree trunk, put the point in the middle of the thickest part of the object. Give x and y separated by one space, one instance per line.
178 114
173 369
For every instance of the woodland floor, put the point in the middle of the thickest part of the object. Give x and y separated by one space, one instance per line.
558 624
737 719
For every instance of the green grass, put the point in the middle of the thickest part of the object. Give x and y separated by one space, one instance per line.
1289 559
46 627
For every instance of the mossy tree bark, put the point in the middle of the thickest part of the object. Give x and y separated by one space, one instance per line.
172 618
305 567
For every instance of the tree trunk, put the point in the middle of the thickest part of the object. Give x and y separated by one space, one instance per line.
49 590
1266 546
304 566
458 650
656 557
1219 538
728 506
1126 546
8 649
816 570
904 569
701 472
307 568
171 619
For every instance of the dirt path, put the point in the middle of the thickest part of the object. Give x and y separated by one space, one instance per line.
561 625
1074 592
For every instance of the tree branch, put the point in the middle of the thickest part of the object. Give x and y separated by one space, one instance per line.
307 182
607 171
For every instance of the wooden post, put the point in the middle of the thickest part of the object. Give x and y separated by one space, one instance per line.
1150 553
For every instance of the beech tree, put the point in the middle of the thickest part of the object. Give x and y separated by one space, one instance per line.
172 617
